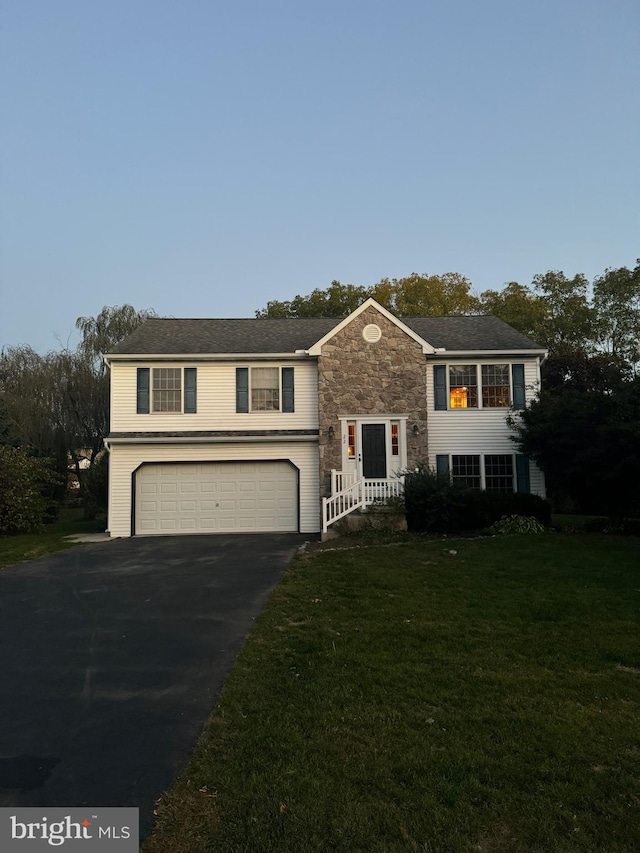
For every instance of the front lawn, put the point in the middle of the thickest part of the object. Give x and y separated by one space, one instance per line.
14 549
469 695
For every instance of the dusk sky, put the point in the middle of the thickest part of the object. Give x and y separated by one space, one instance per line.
201 158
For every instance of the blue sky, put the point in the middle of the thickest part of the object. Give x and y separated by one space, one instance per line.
201 157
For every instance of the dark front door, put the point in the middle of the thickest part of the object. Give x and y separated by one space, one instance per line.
374 451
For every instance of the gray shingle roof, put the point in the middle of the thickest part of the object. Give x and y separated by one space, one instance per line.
477 332
158 336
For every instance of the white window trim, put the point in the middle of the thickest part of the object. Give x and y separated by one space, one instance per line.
483 477
152 410
479 365
277 367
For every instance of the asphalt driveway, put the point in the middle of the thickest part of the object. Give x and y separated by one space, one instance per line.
111 658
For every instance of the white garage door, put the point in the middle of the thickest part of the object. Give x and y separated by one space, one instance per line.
216 497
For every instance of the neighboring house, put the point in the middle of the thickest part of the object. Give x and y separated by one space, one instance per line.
287 424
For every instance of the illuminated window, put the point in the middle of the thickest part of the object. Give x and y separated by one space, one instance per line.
351 447
463 386
458 398
496 391
395 440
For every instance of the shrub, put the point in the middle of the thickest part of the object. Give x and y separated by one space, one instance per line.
25 490
516 524
434 505
485 508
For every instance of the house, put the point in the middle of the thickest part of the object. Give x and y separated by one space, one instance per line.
253 425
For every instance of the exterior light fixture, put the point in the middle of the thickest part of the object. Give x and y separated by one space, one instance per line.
331 433
416 429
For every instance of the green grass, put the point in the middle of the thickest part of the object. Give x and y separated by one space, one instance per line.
14 549
406 698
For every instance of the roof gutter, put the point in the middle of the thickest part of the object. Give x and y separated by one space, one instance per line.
298 355
465 353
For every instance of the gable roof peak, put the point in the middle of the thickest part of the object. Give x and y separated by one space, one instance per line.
371 303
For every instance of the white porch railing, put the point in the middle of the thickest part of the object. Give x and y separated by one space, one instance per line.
341 480
380 490
342 503
355 494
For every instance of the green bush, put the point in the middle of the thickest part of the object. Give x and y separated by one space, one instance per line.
25 490
516 524
434 505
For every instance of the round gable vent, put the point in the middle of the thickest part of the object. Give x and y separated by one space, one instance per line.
371 333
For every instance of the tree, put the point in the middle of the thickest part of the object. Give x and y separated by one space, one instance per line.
422 295
101 333
588 445
518 306
414 296
616 304
58 404
338 300
568 323
25 490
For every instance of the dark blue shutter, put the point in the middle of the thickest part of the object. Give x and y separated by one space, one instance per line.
522 474
517 373
442 466
190 390
143 391
440 386
287 390
242 389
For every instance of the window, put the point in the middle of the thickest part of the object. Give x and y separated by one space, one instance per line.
496 391
478 386
351 446
395 439
167 389
264 389
498 473
465 470
463 386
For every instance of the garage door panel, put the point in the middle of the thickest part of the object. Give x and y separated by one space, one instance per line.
216 497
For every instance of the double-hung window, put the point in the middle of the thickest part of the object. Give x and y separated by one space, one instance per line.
478 386
166 390
496 390
463 386
264 389
465 470
497 472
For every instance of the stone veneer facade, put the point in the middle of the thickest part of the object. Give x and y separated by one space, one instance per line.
388 377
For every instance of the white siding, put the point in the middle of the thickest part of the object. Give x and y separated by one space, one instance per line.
478 431
126 458
216 390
